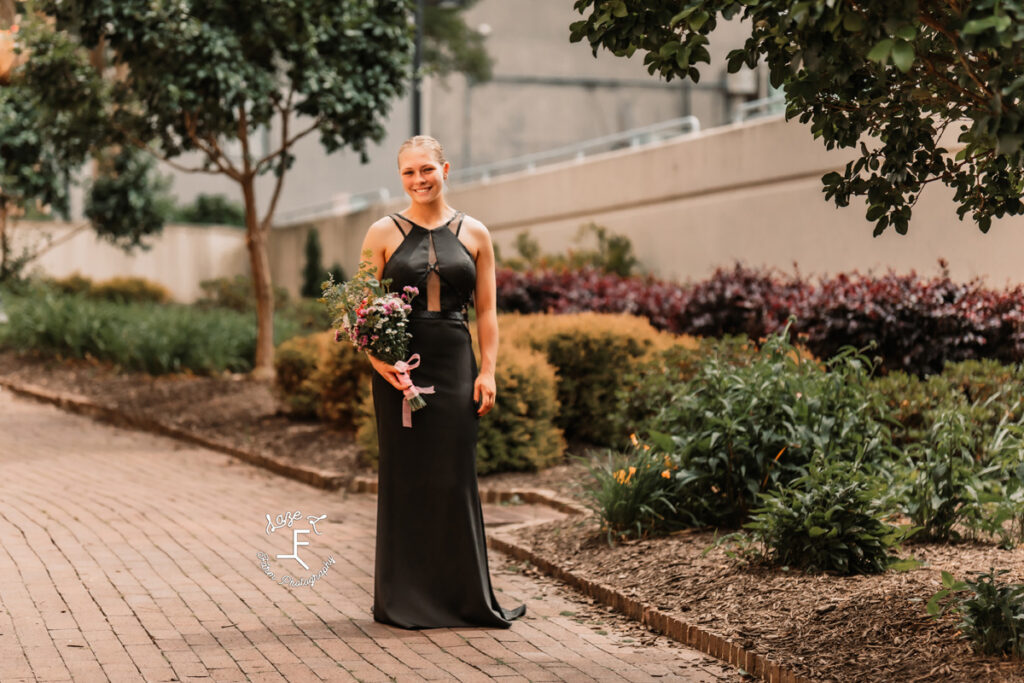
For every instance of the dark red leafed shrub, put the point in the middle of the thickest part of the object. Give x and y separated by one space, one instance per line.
918 324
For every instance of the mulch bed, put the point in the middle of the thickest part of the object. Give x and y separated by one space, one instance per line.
828 628
823 627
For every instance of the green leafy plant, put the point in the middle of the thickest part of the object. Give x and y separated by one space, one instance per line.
991 612
961 478
235 293
612 254
135 336
636 494
829 520
742 430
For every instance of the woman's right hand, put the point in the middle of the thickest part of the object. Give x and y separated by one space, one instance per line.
390 373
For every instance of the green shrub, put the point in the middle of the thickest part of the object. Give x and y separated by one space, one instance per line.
210 209
130 289
340 372
295 361
235 294
72 284
308 314
991 613
155 339
313 273
653 383
829 520
518 434
636 494
985 391
741 430
964 477
591 352
611 253
122 289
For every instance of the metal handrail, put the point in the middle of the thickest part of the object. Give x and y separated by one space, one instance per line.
657 132
765 106
578 151
339 204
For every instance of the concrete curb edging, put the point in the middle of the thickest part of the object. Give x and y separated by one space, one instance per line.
716 646
84 406
728 651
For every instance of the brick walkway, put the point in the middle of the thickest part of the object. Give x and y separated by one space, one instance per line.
125 556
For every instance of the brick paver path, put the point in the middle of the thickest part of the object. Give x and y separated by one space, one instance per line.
125 556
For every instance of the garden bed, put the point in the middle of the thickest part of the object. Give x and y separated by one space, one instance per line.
822 627
827 628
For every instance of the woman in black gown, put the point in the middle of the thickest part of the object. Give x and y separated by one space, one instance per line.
431 556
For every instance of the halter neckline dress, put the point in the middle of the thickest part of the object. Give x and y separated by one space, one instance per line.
430 568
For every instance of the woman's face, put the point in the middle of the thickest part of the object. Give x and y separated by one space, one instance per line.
422 175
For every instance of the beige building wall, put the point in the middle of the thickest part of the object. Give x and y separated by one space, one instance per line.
180 258
749 193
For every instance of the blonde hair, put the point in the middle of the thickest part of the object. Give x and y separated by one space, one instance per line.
427 142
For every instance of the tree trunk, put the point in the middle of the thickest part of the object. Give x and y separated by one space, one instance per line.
259 261
5 251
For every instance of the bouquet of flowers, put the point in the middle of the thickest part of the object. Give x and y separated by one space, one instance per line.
375 320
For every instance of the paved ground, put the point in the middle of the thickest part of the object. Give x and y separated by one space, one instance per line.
125 556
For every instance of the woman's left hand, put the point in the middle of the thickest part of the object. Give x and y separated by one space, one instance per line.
484 391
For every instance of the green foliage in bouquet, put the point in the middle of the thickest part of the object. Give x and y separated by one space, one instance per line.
358 306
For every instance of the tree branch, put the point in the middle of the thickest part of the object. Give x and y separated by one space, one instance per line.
55 242
933 24
285 144
243 136
213 152
953 84
159 155
279 183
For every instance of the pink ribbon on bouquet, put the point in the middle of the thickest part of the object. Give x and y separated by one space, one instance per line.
410 391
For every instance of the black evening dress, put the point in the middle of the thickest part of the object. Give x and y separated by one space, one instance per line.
430 566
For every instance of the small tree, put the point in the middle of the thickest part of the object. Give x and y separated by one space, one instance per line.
36 156
895 74
194 76
313 272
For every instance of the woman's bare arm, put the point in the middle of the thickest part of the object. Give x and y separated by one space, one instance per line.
484 390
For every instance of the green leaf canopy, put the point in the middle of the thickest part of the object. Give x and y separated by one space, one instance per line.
885 76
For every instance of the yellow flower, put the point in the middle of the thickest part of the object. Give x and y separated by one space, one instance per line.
666 474
632 471
646 447
632 437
